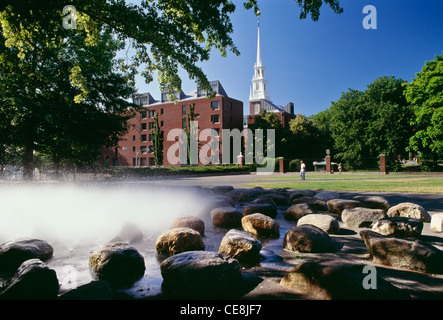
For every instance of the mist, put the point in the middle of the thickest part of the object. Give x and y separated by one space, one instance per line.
89 214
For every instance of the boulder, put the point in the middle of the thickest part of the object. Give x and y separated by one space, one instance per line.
240 245
243 195
437 222
130 233
14 252
117 262
34 280
415 255
361 217
300 193
319 205
296 211
327 195
400 227
200 274
336 206
225 198
373 202
95 290
226 217
324 221
222 189
179 240
279 198
265 201
308 238
263 208
189 222
260 225
337 280
410 210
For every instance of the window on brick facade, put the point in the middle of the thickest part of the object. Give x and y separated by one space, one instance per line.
143 162
161 111
161 123
184 123
215 105
143 126
143 114
151 113
215 118
183 110
151 125
133 138
150 137
143 138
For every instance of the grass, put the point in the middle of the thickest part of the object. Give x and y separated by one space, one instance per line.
340 177
375 184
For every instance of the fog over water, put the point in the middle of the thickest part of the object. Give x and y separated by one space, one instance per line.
87 214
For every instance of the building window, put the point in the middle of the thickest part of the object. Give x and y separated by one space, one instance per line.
215 118
151 113
161 111
161 123
151 125
143 138
197 115
215 105
143 126
230 105
143 162
183 110
133 138
184 123
150 137
143 114
134 162
164 96
133 149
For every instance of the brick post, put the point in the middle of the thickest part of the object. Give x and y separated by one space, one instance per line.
328 164
383 164
240 160
281 164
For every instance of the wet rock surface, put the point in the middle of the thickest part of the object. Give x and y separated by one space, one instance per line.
410 265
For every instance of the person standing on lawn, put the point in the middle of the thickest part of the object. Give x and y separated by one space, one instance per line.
302 170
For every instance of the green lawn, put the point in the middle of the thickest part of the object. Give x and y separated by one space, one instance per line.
402 183
321 176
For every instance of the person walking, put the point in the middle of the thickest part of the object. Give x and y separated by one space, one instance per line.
340 168
302 170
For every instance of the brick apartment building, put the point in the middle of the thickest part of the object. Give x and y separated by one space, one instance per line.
220 112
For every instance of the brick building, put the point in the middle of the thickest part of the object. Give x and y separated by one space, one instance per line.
136 147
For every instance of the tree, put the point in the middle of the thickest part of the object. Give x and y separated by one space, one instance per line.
425 94
163 34
61 97
306 139
157 142
364 124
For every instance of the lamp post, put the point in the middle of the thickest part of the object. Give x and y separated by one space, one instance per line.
137 153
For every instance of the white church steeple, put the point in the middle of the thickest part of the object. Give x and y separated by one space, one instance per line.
259 88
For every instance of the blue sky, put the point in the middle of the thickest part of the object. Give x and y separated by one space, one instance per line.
312 63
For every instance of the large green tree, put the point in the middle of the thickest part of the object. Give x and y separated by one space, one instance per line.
365 124
61 97
425 94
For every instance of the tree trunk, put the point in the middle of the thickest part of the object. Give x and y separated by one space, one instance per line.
28 160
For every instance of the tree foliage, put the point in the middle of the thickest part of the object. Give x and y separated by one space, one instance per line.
425 94
365 124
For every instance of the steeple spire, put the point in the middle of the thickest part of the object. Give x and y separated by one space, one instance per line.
259 88
259 61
